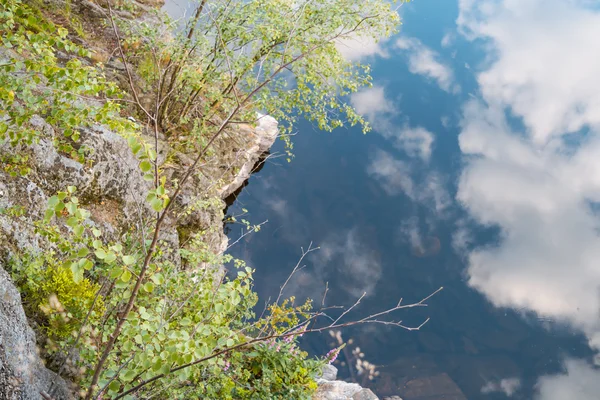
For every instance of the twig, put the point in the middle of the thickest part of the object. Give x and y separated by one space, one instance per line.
369 319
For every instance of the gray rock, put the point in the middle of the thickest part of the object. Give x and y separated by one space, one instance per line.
336 390
261 139
365 394
330 389
22 373
328 373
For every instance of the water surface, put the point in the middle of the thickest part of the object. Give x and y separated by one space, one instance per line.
482 175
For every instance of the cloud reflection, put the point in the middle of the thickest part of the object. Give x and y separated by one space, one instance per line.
346 260
396 177
545 61
508 386
361 47
580 381
380 111
533 178
424 61
372 104
358 266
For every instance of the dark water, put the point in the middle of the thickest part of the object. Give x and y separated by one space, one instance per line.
482 176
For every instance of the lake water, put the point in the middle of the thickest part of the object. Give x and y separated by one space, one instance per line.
482 175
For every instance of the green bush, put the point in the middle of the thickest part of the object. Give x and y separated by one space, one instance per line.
53 298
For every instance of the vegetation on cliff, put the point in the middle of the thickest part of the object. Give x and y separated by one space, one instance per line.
130 314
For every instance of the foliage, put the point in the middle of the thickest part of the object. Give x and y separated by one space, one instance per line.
276 56
273 370
174 323
147 318
53 282
54 298
66 93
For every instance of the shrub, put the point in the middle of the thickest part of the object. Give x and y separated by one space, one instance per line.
53 298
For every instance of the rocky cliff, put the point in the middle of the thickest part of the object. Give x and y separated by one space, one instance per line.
112 188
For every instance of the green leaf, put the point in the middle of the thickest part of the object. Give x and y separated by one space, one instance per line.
78 230
145 166
149 287
88 264
72 221
71 208
116 272
114 386
77 273
129 375
53 201
128 260
59 207
100 253
157 204
110 257
48 215
126 276
158 278
84 251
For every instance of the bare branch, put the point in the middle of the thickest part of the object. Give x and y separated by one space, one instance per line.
296 268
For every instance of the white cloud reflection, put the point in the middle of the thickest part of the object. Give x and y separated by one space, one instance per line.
416 142
396 177
581 381
360 47
508 386
358 266
372 104
344 259
393 175
380 111
546 61
424 61
537 182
